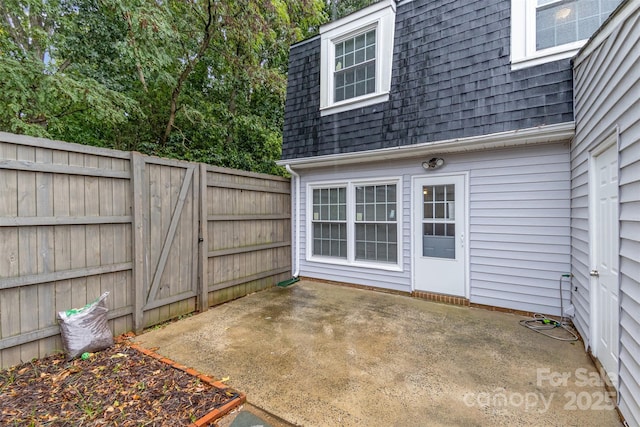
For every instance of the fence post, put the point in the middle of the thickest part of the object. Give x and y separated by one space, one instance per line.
203 246
137 178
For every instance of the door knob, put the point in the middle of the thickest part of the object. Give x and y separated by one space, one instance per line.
594 273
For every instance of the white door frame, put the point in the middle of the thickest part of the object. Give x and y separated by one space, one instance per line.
610 141
465 175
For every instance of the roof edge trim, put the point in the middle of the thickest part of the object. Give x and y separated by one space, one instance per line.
516 138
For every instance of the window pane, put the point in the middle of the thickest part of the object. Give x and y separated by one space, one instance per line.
427 229
369 194
371 37
348 46
371 70
349 92
563 22
451 194
361 89
360 252
391 193
427 194
349 77
451 229
370 53
392 233
371 86
324 212
348 60
392 253
335 248
333 212
369 213
359 56
391 212
428 211
566 33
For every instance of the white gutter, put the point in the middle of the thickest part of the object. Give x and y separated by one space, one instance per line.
295 253
538 135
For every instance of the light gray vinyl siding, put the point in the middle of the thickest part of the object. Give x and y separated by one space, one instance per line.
607 88
518 206
519 228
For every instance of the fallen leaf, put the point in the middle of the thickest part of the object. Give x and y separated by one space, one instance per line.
118 356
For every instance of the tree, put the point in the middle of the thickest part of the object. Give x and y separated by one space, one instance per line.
341 8
196 79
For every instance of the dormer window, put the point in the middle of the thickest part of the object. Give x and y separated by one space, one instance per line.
356 58
355 66
549 30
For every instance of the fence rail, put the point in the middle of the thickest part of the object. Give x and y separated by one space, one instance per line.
164 237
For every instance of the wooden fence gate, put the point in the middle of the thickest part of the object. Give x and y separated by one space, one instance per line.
166 202
163 237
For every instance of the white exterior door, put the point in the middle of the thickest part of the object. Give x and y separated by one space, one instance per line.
439 235
604 210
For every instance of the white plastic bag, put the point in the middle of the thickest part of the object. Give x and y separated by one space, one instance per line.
85 329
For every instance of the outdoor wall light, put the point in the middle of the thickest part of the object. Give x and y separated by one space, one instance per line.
434 163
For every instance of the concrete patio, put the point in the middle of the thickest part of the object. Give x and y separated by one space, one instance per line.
316 354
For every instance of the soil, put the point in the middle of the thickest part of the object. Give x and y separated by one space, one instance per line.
118 386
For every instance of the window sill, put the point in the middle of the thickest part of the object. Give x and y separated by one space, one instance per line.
357 264
352 104
543 57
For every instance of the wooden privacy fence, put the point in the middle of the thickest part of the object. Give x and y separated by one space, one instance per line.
164 237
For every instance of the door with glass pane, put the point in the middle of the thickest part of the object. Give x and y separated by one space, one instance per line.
439 235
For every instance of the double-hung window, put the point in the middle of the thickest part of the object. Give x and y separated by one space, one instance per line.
330 222
356 55
355 66
376 228
548 30
355 223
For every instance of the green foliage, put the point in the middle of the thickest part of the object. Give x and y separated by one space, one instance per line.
189 79
340 8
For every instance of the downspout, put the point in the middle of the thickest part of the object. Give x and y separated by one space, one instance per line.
295 213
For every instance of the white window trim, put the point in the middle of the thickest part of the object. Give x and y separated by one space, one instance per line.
351 223
380 16
523 42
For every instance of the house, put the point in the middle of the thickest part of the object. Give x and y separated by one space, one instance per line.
453 149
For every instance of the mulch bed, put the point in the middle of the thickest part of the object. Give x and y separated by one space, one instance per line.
120 386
